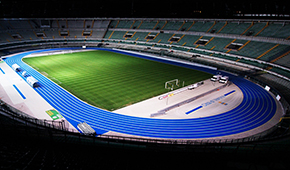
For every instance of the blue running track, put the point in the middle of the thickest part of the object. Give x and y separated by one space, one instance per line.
256 108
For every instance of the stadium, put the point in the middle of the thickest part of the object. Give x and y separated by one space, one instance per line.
132 92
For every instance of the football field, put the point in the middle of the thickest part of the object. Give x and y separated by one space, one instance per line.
111 80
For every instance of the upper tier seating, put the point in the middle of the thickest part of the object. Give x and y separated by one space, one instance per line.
206 36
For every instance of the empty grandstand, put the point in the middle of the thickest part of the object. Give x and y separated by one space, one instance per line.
253 50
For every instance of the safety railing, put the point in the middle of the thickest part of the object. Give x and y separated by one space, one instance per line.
64 132
28 120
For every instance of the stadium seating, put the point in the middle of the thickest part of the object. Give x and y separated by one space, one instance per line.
264 41
148 25
22 32
285 61
253 49
235 28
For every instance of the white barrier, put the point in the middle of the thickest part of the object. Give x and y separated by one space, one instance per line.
16 67
32 81
86 129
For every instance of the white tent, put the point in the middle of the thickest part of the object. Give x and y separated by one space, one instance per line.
16 67
32 81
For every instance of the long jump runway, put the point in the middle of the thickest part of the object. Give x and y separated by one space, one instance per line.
256 109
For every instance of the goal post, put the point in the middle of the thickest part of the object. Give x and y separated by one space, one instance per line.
172 84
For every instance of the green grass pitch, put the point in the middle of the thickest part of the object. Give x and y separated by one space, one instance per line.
111 80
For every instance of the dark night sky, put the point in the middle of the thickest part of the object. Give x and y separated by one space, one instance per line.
137 8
